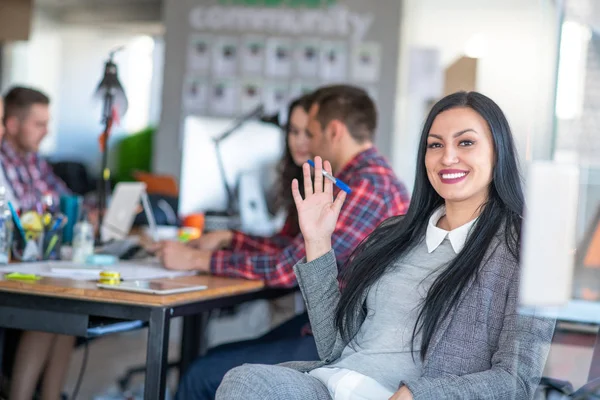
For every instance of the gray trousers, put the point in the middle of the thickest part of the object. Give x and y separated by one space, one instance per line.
270 382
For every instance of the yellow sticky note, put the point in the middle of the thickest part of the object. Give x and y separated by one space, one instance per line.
22 277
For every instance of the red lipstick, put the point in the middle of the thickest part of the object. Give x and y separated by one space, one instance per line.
450 176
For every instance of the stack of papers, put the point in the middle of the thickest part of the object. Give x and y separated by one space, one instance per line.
130 270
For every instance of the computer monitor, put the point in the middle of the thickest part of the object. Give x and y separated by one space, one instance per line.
255 146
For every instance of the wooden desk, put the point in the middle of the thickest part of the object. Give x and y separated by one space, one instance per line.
65 306
87 290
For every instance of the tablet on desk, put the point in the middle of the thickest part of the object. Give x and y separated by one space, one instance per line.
160 287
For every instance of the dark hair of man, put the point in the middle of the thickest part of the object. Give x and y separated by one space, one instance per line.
350 105
19 100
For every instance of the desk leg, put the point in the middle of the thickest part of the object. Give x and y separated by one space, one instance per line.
595 364
157 355
1 349
203 334
194 342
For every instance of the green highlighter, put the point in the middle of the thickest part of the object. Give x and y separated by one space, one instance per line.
51 245
22 277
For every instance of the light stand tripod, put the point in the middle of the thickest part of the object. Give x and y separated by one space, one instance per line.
114 105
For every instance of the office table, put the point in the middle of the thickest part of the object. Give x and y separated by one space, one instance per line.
65 306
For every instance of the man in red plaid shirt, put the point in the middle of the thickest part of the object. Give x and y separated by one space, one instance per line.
376 195
26 121
342 123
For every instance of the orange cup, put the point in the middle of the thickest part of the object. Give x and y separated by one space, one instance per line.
194 221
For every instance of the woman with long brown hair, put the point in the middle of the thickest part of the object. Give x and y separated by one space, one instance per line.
203 377
290 167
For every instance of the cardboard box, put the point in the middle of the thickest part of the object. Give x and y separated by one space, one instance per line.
15 19
461 75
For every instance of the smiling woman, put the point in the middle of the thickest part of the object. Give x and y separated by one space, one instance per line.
428 305
460 159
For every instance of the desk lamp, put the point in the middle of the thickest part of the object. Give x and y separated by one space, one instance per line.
231 209
114 107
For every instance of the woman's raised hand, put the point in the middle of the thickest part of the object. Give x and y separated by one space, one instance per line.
317 212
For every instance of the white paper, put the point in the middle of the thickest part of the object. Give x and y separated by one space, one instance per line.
138 270
279 57
147 269
225 56
307 56
334 62
223 97
253 54
195 94
276 96
199 49
425 74
71 270
366 62
251 94
299 88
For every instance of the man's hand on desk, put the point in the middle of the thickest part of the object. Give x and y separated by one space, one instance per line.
212 241
178 256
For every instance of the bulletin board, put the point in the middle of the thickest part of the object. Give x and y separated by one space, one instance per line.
240 56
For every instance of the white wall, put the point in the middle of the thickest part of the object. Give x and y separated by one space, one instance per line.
36 63
517 68
80 115
67 62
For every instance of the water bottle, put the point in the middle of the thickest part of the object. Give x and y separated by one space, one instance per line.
83 241
6 228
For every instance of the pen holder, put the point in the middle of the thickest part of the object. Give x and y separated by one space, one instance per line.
37 245
71 207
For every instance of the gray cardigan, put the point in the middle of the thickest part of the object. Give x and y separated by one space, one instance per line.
485 349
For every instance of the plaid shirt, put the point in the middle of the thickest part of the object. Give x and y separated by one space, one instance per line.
30 177
249 243
376 195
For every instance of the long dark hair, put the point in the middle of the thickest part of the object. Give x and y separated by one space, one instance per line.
288 170
395 237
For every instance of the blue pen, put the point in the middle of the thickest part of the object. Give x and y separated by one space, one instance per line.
57 223
335 181
16 220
